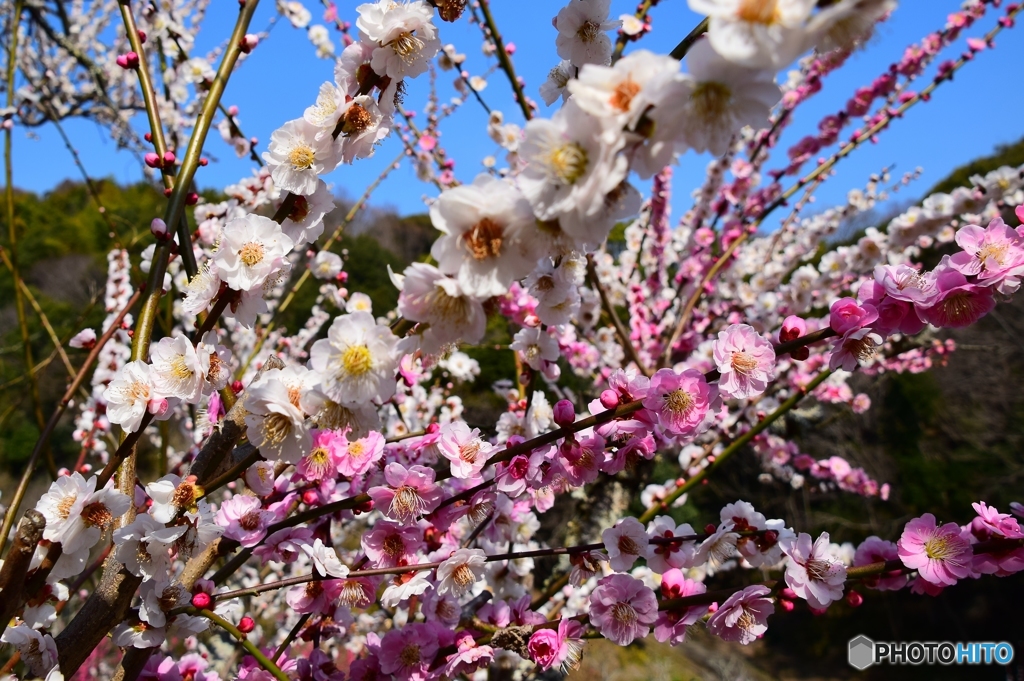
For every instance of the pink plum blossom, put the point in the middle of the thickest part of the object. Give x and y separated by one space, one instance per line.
244 519
672 623
744 615
877 550
940 555
411 492
624 543
846 315
745 360
959 303
681 401
623 609
812 572
560 647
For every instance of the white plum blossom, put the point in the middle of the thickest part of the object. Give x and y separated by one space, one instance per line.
38 650
757 33
201 289
143 546
364 125
298 155
405 36
130 395
555 86
536 347
326 265
176 368
356 361
720 98
328 108
572 172
276 422
359 302
251 249
325 559
488 236
622 93
625 542
439 301
305 222
461 571
214 362
77 514
582 32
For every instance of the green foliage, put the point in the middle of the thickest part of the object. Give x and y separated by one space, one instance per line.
1005 155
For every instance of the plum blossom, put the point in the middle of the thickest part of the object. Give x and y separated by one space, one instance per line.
561 647
745 360
405 37
812 572
407 652
461 571
940 554
356 360
623 609
131 394
410 492
681 401
582 32
298 155
251 250
756 33
464 448
38 650
959 302
672 623
389 544
536 347
244 519
77 514
664 557
449 312
743 617
275 423
625 542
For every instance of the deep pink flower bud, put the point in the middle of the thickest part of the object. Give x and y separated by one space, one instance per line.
204 161
129 60
148 136
854 599
249 42
142 36
710 528
565 413
191 199
786 605
152 160
309 497
609 399
169 158
201 600
792 328
232 110
510 48
158 228
246 624
236 387
1019 210
168 191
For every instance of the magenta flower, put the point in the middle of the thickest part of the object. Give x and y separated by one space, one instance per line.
995 255
411 492
877 550
744 615
959 303
469 658
907 284
318 596
244 519
284 545
846 315
323 457
581 461
940 555
681 401
356 457
813 573
389 544
623 609
407 652
745 360
671 624
557 648
991 524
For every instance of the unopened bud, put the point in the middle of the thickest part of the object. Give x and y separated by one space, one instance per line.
8 124
565 413
129 60
854 599
309 497
204 161
236 387
246 624
191 199
152 160
142 36
248 42
159 229
202 600
168 191
792 328
148 137
232 110
709 529
169 158
609 399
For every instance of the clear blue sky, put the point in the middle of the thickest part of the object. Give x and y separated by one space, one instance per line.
966 118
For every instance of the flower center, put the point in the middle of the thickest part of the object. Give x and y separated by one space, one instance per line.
250 521
484 239
276 427
410 655
743 363
463 576
453 309
628 546
185 495
137 391
995 252
179 369
624 614
746 620
393 545
678 401
301 157
356 360
624 93
940 548
356 449
251 253
318 461
589 31
407 502
568 162
711 101
407 46
818 570
97 515
863 349
758 11
352 594
64 507
469 451
357 119
313 590
300 209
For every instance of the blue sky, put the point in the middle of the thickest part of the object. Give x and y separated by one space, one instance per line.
965 119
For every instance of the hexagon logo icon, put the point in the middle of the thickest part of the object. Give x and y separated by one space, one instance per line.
862 652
